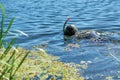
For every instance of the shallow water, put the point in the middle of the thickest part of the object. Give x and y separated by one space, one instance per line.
42 20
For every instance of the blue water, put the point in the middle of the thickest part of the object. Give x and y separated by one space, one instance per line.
42 20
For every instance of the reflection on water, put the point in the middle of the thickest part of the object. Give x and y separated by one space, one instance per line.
42 20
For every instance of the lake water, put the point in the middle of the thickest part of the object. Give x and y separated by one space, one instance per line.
42 20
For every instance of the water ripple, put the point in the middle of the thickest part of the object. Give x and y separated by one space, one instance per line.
42 20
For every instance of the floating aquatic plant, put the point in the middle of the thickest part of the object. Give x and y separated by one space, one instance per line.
44 66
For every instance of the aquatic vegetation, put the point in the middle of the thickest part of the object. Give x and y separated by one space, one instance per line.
3 32
40 65
109 78
7 58
10 63
114 77
43 66
69 46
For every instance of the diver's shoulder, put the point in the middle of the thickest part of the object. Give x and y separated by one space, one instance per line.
87 34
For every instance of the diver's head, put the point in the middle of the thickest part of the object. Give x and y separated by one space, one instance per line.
70 30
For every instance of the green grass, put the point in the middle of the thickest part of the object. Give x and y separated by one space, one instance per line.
3 31
7 60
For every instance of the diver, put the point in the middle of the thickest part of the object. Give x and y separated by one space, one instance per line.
71 31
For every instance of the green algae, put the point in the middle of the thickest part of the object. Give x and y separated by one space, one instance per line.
42 65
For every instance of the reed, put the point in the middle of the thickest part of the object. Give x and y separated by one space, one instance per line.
7 63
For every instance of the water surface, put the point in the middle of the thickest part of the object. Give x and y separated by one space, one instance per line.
42 20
